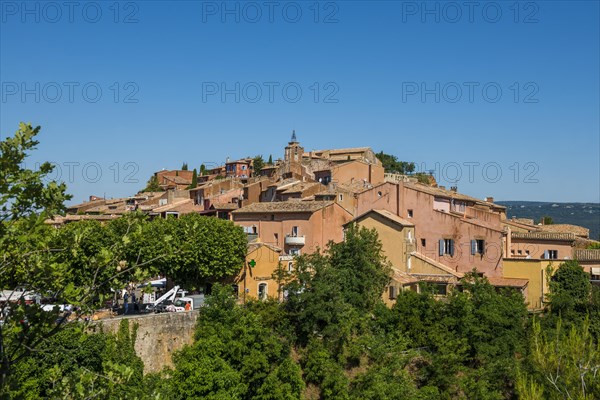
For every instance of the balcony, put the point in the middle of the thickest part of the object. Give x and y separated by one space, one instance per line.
291 240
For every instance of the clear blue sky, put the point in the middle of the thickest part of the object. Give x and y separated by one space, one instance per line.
418 83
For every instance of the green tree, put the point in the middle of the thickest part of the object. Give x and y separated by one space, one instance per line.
546 220
184 166
270 162
205 249
194 183
76 364
234 356
564 364
152 185
570 290
257 164
334 290
391 164
202 170
424 178
25 202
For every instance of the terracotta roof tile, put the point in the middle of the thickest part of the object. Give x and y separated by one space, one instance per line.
225 206
255 245
283 207
586 254
566 228
543 236
387 215
436 191
178 180
300 187
508 282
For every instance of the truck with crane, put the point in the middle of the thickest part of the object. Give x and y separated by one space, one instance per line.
161 304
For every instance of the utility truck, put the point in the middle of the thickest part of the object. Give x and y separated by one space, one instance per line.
163 302
193 302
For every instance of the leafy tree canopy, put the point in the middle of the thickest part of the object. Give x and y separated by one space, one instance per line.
152 185
257 164
391 164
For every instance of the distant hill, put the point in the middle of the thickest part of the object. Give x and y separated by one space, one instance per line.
583 214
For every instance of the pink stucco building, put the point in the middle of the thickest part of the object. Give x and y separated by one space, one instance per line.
459 231
298 227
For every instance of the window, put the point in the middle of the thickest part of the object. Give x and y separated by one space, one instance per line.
410 213
379 194
439 289
294 252
294 231
393 292
262 291
243 167
551 254
341 197
477 246
423 242
276 236
447 247
272 217
290 266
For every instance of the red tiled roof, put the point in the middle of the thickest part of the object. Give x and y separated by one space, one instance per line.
283 207
508 282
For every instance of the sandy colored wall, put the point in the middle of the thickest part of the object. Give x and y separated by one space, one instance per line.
535 271
536 248
393 239
267 261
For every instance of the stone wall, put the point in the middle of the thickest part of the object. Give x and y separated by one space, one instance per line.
158 336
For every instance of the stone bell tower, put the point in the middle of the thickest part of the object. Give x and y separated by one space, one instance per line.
293 151
293 158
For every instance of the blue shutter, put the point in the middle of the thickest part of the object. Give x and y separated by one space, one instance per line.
546 255
473 247
451 247
441 247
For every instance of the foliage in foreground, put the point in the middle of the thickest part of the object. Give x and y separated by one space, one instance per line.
332 339
76 364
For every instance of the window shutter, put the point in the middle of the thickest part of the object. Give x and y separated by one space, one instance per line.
473 247
546 255
451 248
441 247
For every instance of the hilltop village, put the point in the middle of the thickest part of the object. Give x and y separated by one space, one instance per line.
298 204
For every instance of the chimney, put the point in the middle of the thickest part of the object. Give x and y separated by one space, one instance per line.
489 199
454 188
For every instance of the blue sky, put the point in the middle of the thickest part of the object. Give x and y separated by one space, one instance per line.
498 98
